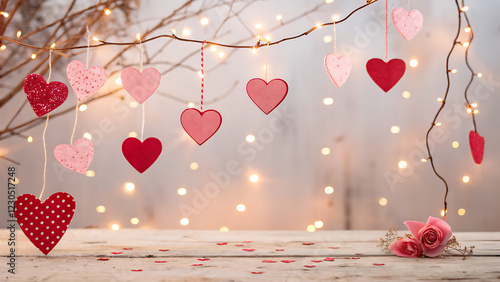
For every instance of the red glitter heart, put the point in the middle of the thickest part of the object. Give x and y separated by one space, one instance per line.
141 155
386 75
44 223
267 96
200 125
44 97
476 143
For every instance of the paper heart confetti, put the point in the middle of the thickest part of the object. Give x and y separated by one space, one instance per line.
140 85
476 143
44 97
141 155
76 157
267 96
85 82
200 125
386 75
44 223
338 68
407 24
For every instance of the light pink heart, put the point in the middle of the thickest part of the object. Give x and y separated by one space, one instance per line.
407 24
200 125
267 96
85 81
338 68
140 85
76 157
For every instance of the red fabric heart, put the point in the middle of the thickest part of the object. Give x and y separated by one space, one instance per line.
141 155
267 96
200 125
476 143
386 75
44 97
44 223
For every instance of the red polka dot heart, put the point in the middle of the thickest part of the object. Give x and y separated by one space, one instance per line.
44 223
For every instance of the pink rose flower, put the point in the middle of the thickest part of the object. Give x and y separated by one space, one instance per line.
432 236
406 247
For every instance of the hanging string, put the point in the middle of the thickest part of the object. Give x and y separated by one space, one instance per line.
267 58
386 30
143 120
202 76
50 66
334 38
44 131
141 46
407 5
88 47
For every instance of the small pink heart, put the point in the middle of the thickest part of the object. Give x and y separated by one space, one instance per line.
407 24
267 96
476 143
76 157
386 75
200 125
85 81
141 155
43 97
140 85
338 68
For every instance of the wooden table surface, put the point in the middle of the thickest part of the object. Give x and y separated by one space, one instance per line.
77 257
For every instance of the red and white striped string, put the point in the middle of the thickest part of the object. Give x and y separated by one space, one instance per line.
202 76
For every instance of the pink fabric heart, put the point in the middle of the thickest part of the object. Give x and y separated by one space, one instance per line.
407 24
76 157
267 96
476 143
200 125
140 85
44 97
385 74
85 81
338 68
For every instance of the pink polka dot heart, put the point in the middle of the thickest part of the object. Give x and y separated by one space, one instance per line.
407 24
338 68
44 223
85 81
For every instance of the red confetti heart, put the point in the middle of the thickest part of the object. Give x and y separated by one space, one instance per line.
386 75
355 257
247 241
307 244
476 143
309 266
316 261
333 248
239 245
220 244
267 96
269 261
85 81
104 259
379 264
248 250
44 223
44 97
203 259
76 157
116 253
287 261
160 261
164 250
280 250
200 125
257 272
197 264
329 259
128 249
136 270
141 155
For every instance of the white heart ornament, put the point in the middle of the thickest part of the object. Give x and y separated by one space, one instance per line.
338 68
407 24
76 157
85 82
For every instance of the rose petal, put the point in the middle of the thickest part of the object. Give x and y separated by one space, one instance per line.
329 259
220 244
442 225
203 259
197 264
103 259
280 250
287 261
160 261
307 243
379 264
248 250
414 227
268 261
247 241
136 270
316 261
163 250
257 272
127 249
435 252
116 253
309 266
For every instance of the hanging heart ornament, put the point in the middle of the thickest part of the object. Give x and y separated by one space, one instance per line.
476 143
267 96
338 68
44 223
386 75
140 85
407 24
44 97
76 157
200 125
141 155
85 82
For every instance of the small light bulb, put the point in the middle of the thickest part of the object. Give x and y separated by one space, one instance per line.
325 151
466 44
182 191
279 18
311 228
328 1
87 135
118 81
107 12
221 54
184 221
382 201
29 139
413 63
476 112
443 212
455 144
241 207
254 178
250 138
90 173
402 164
193 166
336 17
423 160
133 104
395 129
474 105
129 186
468 29
268 38
464 8
82 108
453 71
461 212
223 229
191 105
3 47
406 94
440 99
204 21
132 134
318 25
134 220
466 179
213 48
469 110
258 26
138 36
438 123
327 39
318 224
53 45
200 74
329 190
115 227
4 14
478 74
186 32
100 209
33 56
328 101
95 39
19 33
